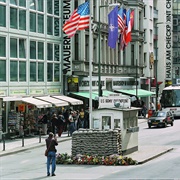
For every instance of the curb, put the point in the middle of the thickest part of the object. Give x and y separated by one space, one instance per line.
153 157
4 153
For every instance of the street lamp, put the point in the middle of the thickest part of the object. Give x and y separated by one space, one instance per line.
100 93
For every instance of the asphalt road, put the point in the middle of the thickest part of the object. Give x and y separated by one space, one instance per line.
31 164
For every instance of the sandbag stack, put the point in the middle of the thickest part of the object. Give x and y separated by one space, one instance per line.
96 142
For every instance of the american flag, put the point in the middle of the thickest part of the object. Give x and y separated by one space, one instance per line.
122 26
79 20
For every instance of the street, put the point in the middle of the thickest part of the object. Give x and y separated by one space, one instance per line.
31 164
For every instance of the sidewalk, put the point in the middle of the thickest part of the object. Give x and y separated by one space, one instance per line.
144 153
19 145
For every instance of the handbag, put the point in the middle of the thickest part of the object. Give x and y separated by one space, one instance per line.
46 151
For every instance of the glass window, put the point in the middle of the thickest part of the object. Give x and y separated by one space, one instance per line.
2 46
49 6
49 51
40 50
116 123
22 71
32 22
56 52
33 71
22 3
41 5
22 49
56 27
13 71
49 25
56 72
32 50
13 48
22 20
50 72
2 16
40 23
2 0
13 2
13 18
3 70
40 72
106 122
32 4
56 7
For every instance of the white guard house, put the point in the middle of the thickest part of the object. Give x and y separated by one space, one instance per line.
115 111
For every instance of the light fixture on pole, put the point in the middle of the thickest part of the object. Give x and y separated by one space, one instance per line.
100 93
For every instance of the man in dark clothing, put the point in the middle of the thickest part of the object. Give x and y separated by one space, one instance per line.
60 124
66 117
51 158
54 122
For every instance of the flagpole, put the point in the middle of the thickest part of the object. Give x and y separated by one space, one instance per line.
90 63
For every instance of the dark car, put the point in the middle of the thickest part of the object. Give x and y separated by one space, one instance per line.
161 119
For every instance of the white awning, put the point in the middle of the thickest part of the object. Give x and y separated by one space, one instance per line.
56 102
12 98
72 101
38 103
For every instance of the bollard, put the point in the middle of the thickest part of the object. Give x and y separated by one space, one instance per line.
39 135
23 140
3 142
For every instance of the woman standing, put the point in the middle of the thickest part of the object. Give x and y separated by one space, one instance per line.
51 142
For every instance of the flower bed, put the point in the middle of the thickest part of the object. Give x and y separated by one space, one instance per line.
114 159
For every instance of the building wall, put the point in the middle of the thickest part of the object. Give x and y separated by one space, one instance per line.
30 60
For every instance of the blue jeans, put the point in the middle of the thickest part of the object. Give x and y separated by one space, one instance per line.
51 158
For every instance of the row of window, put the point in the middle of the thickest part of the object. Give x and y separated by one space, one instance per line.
18 49
38 5
35 71
37 68
18 19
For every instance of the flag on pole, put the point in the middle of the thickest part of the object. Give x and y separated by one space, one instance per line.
113 27
79 20
130 23
123 27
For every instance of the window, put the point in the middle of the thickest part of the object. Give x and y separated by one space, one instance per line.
13 2
41 5
49 25
22 20
49 51
22 49
56 72
3 70
56 7
116 123
32 22
49 72
40 23
22 71
13 48
13 18
22 3
32 4
56 52
13 70
32 71
2 16
40 72
2 47
40 50
32 50
49 6
106 122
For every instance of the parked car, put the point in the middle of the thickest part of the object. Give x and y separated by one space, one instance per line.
161 119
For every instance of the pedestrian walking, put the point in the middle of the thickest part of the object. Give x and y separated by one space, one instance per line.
60 124
54 122
51 142
71 123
